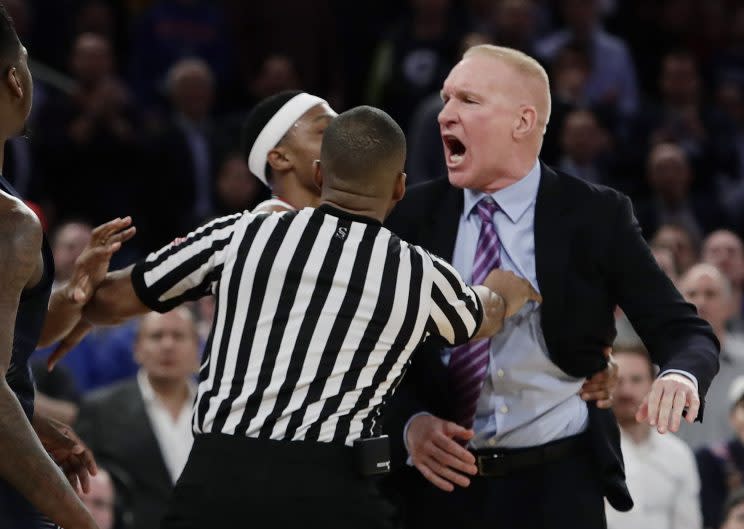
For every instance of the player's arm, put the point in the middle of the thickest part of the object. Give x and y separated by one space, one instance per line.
24 462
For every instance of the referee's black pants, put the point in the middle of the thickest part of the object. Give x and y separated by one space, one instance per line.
234 482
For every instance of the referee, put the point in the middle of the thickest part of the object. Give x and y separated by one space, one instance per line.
318 311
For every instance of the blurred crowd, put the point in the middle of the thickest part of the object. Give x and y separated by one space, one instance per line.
138 109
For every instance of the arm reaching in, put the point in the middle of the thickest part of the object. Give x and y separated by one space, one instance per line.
91 266
25 464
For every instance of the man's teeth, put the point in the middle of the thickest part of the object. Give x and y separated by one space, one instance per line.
455 158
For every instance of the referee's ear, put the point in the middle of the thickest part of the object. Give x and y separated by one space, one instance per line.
317 175
400 187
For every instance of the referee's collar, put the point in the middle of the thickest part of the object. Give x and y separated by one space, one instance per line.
340 213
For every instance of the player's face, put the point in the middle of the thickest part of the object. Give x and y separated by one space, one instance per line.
305 140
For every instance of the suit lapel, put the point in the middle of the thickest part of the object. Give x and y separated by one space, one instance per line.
151 456
552 242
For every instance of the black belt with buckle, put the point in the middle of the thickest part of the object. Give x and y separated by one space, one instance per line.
501 462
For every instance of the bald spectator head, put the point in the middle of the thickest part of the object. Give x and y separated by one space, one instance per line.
68 242
167 346
669 173
92 60
706 287
190 86
101 499
724 250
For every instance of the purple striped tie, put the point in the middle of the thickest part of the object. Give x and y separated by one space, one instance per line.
469 362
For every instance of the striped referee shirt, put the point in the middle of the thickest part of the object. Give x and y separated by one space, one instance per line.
317 314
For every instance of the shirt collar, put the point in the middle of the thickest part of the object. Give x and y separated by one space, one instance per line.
148 394
514 200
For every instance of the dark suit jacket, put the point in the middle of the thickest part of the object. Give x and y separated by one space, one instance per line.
114 424
590 257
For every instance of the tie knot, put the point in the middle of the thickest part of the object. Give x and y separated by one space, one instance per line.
486 208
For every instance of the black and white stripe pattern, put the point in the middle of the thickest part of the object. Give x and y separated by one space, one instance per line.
317 314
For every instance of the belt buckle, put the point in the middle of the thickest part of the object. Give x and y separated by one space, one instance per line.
496 468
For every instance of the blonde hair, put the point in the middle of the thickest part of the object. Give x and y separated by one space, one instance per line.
524 65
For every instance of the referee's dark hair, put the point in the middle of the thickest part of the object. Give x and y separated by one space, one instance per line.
10 45
363 150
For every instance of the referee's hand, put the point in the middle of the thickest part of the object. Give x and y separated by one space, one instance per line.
437 454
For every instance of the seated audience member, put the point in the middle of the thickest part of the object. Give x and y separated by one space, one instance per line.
683 245
670 177
101 499
724 250
706 287
733 511
142 427
660 469
237 189
721 465
68 242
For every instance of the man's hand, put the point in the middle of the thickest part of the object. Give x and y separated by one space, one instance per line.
601 386
669 397
91 266
66 448
515 290
437 455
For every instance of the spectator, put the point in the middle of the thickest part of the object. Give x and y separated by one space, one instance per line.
683 245
512 23
68 242
612 78
413 60
682 117
709 290
730 98
90 137
172 30
182 157
101 499
585 147
724 250
142 426
733 511
721 465
670 178
237 189
660 469
570 73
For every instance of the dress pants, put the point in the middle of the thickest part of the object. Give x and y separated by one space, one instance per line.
564 494
231 482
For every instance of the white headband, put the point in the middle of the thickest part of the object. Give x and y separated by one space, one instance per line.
277 127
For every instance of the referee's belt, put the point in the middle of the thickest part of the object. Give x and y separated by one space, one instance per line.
501 462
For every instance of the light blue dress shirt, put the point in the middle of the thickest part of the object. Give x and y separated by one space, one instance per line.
526 399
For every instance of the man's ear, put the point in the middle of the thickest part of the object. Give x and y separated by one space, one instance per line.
14 82
278 159
399 190
525 124
317 175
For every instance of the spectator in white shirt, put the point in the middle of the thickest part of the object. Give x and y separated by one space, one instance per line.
141 428
660 469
